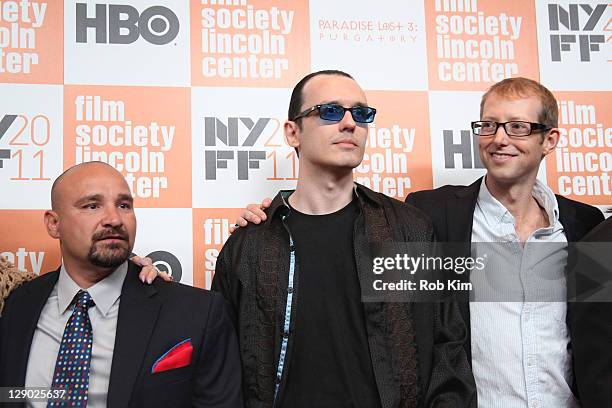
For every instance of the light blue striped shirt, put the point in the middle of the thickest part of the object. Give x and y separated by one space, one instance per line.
520 349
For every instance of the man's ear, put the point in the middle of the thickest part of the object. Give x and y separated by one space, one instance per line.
52 223
291 133
551 139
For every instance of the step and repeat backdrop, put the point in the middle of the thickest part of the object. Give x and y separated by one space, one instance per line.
187 99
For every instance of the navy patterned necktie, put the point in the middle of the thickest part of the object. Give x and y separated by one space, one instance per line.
72 364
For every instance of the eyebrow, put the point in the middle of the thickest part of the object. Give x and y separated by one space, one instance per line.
99 197
511 119
337 102
125 197
91 197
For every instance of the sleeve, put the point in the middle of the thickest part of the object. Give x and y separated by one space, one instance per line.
222 282
3 330
6 318
451 383
218 378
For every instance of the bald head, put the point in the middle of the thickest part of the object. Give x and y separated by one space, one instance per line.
75 173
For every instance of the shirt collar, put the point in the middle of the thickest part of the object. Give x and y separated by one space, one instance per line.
547 200
104 293
491 207
493 211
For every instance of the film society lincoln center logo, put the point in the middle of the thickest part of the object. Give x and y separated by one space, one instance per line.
473 44
142 132
30 41
579 168
398 151
249 43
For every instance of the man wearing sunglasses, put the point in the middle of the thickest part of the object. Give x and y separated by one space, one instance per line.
521 351
294 282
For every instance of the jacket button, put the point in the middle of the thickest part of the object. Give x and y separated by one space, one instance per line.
285 335
291 248
289 290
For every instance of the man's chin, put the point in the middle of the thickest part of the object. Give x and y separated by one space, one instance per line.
109 257
505 177
350 163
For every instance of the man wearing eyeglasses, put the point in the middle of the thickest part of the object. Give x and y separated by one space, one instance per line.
521 351
306 339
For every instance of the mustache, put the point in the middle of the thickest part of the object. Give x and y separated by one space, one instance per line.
118 233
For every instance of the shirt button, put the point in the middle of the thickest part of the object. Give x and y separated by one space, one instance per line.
530 364
285 335
289 290
535 404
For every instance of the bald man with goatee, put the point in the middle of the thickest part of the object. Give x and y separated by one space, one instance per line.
98 336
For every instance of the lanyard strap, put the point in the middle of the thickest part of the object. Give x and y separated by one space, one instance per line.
283 349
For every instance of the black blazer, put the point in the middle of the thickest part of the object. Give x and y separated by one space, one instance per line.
152 319
451 208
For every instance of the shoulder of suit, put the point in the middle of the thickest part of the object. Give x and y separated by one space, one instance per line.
45 279
190 304
601 233
19 295
182 292
439 193
582 210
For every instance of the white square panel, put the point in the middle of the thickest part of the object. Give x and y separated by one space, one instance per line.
30 144
138 42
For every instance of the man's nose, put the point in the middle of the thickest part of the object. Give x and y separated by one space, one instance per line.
500 136
347 122
112 216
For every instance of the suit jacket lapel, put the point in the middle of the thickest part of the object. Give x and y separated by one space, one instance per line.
460 214
460 218
567 217
138 311
24 322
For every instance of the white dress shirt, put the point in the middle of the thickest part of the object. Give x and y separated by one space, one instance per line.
50 329
520 348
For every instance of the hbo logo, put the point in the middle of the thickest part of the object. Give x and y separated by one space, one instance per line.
122 24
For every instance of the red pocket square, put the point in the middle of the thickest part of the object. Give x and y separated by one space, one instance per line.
177 357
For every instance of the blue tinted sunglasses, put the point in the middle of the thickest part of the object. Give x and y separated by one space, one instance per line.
335 112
